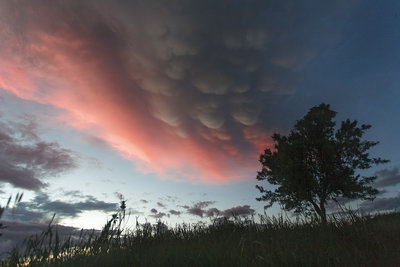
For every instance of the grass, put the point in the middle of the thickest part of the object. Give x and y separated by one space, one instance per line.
348 239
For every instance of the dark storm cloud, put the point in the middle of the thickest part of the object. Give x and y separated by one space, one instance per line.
42 207
387 177
382 204
26 160
205 73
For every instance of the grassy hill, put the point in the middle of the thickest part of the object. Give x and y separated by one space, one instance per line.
347 240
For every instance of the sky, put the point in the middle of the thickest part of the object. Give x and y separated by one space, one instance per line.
168 104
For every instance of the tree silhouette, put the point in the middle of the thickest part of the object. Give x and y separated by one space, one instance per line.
315 163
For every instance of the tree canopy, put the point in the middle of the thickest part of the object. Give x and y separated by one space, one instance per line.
317 162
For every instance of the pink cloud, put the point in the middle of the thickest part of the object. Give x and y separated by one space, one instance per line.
67 67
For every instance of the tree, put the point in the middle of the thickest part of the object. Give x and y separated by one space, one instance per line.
316 163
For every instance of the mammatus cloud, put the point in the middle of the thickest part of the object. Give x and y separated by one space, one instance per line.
387 177
26 160
177 89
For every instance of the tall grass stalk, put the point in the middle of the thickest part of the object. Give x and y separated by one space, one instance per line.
349 239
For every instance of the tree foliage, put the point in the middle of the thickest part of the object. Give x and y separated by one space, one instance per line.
316 163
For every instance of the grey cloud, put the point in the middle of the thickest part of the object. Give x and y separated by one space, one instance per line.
212 212
162 205
333 205
382 191
158 215
42 207
26 160
199 210
203 204
382 204
30 218
175 212
144 201
153 211
203 63
244 210
16 232
387 177
196 211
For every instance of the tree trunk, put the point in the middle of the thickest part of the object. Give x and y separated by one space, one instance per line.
320 210
322 213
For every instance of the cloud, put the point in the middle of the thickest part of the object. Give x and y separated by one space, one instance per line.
168 87
30 218
153 211
156 214
198 209
203 204
17 232
162 205
144 201
25 160
159 215
387 177
213 212
244 210
175 212
42 207
382 204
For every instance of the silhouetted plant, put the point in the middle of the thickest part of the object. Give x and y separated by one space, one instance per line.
349 239
17 200
315 163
